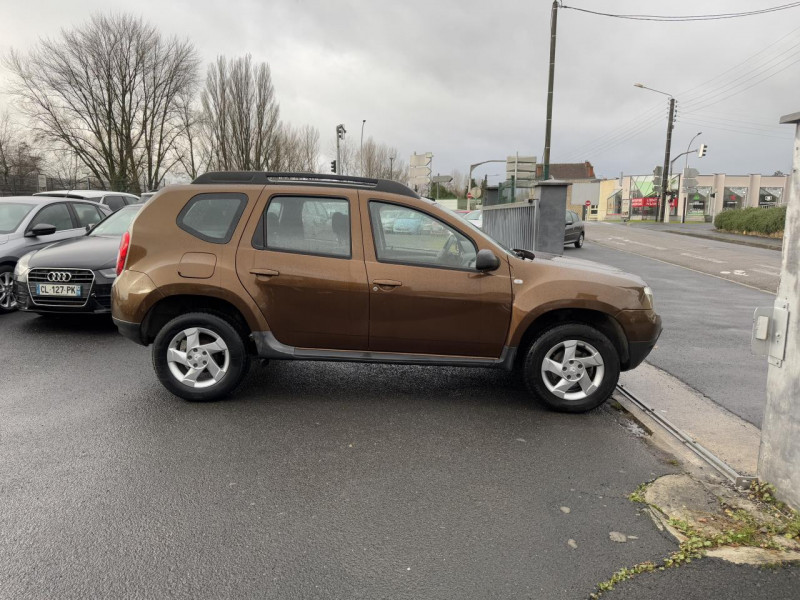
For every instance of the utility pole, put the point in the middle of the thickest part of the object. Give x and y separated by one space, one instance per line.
777 333
549 126
665 174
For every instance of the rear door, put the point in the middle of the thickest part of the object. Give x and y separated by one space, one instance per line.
425 295
301 259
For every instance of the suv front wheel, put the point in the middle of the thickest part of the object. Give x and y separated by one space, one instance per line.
200 357
572 368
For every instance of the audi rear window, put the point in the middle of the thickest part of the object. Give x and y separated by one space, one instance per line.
212 217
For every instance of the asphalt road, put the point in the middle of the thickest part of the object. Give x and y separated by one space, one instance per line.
316 481
755 267
707 324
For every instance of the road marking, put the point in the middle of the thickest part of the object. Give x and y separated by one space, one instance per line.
772 273
773 267
740 272
666 262
698 257
725 272
627 241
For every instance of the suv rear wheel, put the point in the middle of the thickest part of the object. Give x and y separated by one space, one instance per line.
572 368
200 357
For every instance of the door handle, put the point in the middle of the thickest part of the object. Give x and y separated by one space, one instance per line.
265 272
387 283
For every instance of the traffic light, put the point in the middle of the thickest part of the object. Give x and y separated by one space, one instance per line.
340 131
702 151
658 172
333 166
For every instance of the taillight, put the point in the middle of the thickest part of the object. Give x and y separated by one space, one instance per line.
124 243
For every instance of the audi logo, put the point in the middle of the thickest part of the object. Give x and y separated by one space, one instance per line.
59 276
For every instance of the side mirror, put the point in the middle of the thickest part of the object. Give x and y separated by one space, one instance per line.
486 261
41 229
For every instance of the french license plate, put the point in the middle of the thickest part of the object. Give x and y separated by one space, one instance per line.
49 289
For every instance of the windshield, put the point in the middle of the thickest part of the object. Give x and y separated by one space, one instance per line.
118 223
11 215
475 215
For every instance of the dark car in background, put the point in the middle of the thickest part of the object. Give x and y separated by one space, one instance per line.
74 275
29 223
574 232
113 200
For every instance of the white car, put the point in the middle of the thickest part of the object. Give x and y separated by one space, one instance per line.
475 217
113 200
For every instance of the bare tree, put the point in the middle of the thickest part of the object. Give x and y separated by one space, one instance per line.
240 114
459 184
20 164
109 92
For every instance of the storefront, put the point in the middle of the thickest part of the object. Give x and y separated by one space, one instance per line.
770 196
647 208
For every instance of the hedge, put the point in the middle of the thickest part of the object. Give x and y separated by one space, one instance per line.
765 221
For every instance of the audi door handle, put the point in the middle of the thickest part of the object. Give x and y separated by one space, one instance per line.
265 272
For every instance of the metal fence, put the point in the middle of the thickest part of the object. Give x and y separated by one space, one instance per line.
513 225
30 184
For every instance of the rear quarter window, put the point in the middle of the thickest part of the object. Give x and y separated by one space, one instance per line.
212 217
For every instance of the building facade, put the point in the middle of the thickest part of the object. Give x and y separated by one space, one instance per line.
633 196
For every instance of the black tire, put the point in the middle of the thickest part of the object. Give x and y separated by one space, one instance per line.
238 361
579 241
587 338
7 301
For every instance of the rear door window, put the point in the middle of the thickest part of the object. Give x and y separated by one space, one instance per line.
88 214
305 225
114 202
212 217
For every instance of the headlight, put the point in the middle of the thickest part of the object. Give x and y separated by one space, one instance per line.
22 268
648 297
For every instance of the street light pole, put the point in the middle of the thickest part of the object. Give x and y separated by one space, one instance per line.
471 168
686 166
391 167
665 171
340 131
363 121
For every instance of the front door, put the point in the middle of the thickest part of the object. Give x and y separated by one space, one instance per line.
301 260
425 295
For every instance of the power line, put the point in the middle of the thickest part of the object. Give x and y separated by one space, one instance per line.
737 130
683 93
682 18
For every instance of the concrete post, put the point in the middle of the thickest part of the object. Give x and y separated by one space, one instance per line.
779 456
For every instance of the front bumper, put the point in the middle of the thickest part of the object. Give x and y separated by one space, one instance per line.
638 351
98 301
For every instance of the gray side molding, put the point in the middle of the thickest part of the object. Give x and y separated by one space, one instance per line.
269 347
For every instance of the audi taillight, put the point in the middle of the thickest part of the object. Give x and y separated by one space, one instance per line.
124 244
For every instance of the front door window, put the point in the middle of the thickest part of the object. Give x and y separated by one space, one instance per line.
410 237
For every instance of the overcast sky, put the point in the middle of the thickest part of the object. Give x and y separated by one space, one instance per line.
467 79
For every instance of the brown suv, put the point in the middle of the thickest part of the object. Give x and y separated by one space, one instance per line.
321 267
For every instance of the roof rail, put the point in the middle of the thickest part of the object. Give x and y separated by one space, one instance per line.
267 178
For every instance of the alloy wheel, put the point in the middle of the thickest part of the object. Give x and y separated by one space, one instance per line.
7 300
573 369
198 357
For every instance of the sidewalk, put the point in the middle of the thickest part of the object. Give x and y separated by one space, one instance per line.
707 231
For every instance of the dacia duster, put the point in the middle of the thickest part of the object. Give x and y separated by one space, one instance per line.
295 266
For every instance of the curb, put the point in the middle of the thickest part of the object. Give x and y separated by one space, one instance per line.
724 239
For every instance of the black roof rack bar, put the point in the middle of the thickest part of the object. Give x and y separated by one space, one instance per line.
267 178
